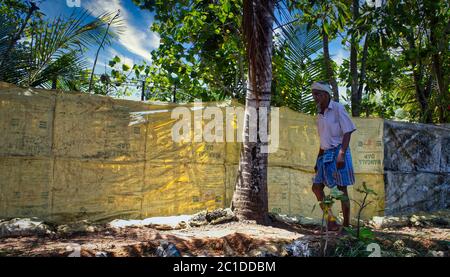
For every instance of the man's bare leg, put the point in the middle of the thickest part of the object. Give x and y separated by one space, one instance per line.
345 206
320 195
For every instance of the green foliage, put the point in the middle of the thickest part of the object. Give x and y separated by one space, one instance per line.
329 200
406 74
123 75
330 16
408 50
356 242
201 55
294 69
15 10
349 247
50 52
365 234
200 52
366 190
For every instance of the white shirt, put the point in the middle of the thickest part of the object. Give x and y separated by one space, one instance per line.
333 124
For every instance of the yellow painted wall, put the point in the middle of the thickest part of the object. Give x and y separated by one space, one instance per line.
71 156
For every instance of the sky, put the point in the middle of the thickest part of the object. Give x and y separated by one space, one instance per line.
136 41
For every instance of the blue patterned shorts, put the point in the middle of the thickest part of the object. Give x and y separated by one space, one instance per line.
327 172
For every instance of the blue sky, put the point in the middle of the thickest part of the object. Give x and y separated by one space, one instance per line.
136 42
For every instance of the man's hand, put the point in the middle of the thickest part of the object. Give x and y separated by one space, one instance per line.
321 151
340 163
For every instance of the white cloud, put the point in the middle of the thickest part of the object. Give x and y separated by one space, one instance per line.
139 41
339 58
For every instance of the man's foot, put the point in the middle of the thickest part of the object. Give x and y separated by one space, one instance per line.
333 226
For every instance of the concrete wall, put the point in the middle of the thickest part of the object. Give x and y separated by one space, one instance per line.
416 166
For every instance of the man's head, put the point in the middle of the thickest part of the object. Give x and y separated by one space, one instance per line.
321 93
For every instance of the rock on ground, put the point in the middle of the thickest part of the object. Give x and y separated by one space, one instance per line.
19 227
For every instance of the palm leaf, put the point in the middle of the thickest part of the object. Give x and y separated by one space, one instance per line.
56 41
296 46
65 67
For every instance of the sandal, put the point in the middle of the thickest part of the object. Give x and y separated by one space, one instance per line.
332 224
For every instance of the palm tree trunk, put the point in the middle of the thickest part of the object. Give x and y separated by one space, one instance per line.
98 50
362 75
356 101
250 199
328 67
422 85
54 82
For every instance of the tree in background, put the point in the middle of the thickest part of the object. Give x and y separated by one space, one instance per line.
13 9
364 39
101 45
408 57
15 16
382 55
398 66
330 17
201 52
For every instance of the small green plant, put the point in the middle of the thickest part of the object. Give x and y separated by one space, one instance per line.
326 205
356 243
365 234
362 233
350 247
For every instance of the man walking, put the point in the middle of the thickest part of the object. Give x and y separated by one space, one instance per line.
334 162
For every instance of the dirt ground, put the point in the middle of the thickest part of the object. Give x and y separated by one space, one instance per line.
227 239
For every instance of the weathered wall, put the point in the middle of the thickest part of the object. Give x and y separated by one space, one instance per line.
417 167
71 156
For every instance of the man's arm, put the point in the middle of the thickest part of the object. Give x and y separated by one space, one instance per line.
347 127
346 141
318 155
341 155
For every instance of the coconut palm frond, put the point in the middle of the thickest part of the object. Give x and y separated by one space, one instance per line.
298 67
64 67
51 49
56 40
